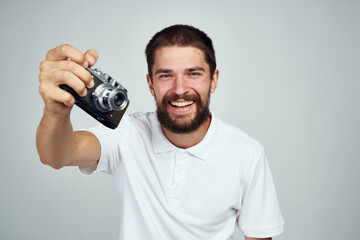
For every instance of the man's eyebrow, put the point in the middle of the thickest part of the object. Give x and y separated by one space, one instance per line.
163 70
192 69
195 69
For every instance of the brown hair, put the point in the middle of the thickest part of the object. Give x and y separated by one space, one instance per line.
181 35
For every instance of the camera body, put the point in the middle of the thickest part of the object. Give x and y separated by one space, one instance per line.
107 101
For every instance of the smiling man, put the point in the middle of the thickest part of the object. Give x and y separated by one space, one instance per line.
181 173
181 84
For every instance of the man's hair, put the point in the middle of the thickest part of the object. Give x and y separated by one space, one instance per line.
182 36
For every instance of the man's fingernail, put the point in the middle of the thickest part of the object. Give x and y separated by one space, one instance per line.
91 84
86 64
83 94
91 60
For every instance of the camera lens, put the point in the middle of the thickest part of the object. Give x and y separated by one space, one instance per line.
108 98
119 98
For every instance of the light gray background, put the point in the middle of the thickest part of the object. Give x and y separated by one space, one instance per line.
289 76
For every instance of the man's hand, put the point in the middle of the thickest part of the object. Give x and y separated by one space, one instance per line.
64 65
57 144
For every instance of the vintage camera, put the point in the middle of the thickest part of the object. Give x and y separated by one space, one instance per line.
107 101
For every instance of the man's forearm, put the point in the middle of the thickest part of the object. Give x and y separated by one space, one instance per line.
55 140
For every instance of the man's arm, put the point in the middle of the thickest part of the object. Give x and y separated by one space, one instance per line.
249 238
57 144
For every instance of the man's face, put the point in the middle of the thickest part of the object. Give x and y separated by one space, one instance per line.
181 84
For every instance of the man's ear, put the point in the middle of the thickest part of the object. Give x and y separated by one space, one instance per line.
214 81
150 84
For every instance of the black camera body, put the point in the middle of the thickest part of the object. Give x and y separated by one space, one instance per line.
107 101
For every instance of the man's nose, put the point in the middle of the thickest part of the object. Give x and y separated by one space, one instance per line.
180 85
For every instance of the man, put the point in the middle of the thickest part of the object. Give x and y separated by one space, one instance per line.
180 173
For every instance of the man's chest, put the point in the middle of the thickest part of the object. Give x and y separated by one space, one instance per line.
202 191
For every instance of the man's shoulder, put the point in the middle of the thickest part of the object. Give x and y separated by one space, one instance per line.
235 137
139 119
141 116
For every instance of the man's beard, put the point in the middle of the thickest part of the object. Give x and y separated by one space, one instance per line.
181 125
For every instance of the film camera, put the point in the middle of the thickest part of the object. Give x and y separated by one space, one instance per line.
107 101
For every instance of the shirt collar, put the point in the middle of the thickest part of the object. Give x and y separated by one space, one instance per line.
201 150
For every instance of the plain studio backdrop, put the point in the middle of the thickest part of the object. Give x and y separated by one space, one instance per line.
289 77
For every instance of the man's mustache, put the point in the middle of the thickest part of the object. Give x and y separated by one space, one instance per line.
186 97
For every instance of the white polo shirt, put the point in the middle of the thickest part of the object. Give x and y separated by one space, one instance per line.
169 193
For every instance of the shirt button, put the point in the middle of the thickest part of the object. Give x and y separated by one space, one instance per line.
179 162
181 154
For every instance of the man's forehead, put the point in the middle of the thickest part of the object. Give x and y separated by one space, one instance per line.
186 56
179 48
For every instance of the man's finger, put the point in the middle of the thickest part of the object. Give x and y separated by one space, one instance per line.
91 56
64 97
64 65
61 77
64 52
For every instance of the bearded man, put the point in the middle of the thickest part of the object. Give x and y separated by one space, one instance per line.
180 172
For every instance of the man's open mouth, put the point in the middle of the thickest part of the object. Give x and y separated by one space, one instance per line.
181 104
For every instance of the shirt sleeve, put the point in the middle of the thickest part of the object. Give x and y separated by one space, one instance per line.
260 215
111 141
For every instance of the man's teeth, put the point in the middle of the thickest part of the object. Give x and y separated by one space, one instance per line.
182 104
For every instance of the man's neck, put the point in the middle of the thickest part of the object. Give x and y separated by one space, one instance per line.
190 139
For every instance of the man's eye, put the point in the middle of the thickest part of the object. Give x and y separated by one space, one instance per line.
165 76
194 74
